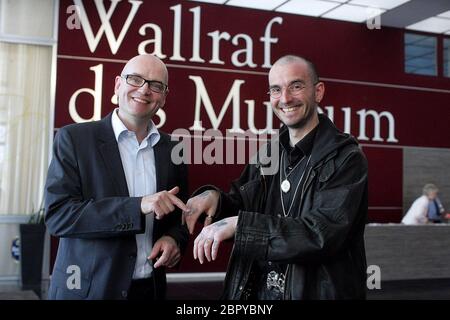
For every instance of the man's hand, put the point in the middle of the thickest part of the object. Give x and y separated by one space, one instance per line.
205 202
207 242
162 203
170 252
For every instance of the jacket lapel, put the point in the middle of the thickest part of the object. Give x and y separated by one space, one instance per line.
162 159
111 156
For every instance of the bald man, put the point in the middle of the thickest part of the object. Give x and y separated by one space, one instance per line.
299 233
114 197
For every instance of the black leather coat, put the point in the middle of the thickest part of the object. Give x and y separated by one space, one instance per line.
322 241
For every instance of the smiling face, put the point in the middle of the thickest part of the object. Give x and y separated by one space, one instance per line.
139 104
298 109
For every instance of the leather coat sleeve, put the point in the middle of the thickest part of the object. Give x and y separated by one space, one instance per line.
317 234
229 203
69 214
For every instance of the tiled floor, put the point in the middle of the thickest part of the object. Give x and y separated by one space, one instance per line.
12 291
430 289
194 291
433 289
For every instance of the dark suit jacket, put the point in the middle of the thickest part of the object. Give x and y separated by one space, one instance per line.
89 208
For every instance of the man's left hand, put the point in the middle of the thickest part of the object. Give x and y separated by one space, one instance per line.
170 252
207 242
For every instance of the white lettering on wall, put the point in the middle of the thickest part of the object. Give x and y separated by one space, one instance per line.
176 56
202 98
196 36
162 118
242 56
96 93
157 49
268 40
247 51
377 119
347 119
114 43
363 113
251 118
216 37
239 58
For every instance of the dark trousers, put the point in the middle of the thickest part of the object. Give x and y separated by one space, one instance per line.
142 289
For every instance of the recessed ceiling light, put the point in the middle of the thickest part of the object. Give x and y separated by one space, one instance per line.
433 24
256 4
211 1
444 14
353 13
383 4
307 7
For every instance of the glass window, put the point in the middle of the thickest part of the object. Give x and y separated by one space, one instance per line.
420 54
2 147
25 125
446 57
27 21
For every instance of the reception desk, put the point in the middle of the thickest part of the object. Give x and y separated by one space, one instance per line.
406 252
414 263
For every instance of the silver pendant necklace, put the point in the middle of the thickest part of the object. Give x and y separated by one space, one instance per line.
296 188
276 281
286 185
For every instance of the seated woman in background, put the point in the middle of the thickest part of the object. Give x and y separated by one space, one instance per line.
425 209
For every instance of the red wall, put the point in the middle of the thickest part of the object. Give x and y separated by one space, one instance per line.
362 69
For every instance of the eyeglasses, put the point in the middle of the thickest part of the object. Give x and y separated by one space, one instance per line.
138 81
294 89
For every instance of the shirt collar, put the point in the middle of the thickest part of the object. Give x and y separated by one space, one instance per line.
119 127
304 146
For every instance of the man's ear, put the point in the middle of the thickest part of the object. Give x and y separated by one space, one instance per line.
320 91
117 85
164 99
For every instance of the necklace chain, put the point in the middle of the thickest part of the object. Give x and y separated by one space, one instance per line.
286 175
296 188
273 275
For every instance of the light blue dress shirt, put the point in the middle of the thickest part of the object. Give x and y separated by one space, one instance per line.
139 166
